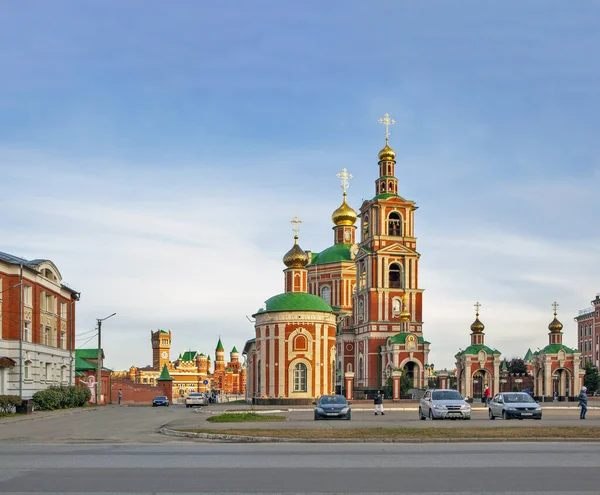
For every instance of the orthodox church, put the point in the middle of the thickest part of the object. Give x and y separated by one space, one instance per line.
350 318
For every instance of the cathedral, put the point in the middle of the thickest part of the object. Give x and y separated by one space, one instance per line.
350 319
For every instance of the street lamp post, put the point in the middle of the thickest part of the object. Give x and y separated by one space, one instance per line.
99 370
71 339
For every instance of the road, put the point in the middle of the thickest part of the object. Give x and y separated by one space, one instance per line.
478 468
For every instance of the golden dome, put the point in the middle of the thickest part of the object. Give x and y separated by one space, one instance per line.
387 154
477 326
295 257
344 215
405 315
555 325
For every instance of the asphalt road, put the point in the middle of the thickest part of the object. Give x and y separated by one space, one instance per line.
139 425
478 468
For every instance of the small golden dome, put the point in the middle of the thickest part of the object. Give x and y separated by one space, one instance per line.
555 325
387 154
295 257
405 315
344 215
477 326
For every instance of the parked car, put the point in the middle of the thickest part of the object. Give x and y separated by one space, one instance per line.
196 399
332 406
160 400
443 404
514 405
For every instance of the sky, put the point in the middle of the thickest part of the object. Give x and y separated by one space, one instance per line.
156 152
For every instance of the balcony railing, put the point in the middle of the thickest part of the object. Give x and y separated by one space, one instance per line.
586 311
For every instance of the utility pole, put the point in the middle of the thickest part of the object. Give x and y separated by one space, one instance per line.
99 369
71 339
21 331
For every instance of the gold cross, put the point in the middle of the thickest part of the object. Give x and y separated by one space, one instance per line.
477 306
345 176
296 228
555 306
387 122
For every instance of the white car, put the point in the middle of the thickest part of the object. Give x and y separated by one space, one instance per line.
444 404
196 399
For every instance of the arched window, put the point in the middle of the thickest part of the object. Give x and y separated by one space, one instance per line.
383 187
360 368
396 305
362 276
395 224
365 227
349 368
27 370
300 375
301 343
361 310
326 294
395 276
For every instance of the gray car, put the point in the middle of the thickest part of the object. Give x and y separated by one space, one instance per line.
443 404
510 405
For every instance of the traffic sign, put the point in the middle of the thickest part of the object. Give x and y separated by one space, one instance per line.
205 382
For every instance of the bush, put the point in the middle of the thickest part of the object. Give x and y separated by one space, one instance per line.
61 397
8 403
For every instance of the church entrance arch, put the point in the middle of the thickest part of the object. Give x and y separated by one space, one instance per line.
561 382
481 378
411 369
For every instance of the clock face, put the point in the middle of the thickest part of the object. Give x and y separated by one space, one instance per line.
164 355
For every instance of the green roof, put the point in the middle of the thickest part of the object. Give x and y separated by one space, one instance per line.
335 253
219 345
164 376
79 373
386 196
163 331
529 356
474 349
208 357
295 301
504 367
88 353
83 365
188 355
400 338
234 349
554 348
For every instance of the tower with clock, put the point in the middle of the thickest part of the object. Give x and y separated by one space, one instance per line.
161 348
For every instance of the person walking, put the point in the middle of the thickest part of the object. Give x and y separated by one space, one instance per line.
378 401
487 395
583 402
119 396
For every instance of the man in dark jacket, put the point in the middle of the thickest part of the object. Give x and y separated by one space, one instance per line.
583 402
378 401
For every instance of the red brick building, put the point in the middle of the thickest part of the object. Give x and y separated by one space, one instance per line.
37 326
588 333
478 365
292 357
556 368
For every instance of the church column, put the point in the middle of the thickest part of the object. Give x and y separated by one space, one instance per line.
272 363
317 370
262 392
282 364
547 378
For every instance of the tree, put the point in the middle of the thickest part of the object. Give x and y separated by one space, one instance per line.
516 366
592 378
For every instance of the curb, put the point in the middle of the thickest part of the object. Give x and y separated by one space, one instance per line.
248 439
17 418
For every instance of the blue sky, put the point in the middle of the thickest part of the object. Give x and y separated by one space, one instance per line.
156 154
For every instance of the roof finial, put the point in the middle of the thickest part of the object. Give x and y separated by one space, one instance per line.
477 306
387 122
345 177
296 228
555 307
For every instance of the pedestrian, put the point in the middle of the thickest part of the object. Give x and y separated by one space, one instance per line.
378 401
583 402
487 395
119 396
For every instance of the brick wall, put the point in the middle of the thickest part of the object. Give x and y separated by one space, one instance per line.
134 393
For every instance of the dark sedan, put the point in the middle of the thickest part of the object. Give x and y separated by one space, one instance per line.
332 406
161 400
514 405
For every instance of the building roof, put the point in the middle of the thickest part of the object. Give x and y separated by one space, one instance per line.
165 374
554 348
234 349
188 355
295 301
529 356
400 338
83 365
220 345
333 254
88 353
474 349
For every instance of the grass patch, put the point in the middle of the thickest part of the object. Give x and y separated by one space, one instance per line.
246 417
408 433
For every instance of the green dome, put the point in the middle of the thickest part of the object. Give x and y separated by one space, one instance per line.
337 252
295 301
